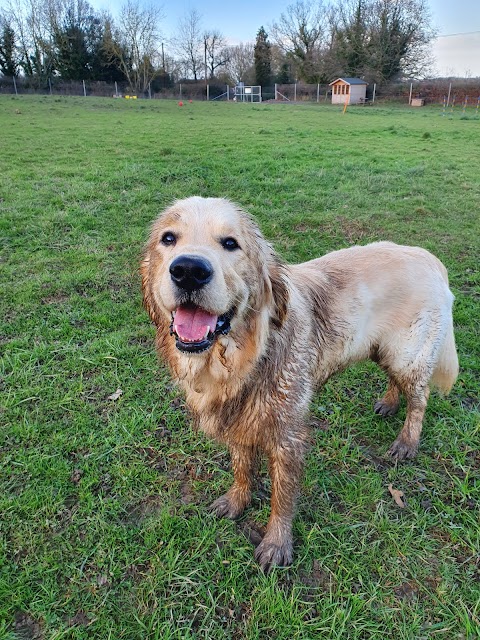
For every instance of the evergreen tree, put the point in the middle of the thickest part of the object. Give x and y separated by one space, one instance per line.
8 62
352 40
263 59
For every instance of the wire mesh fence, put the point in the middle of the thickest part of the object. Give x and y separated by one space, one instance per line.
436 91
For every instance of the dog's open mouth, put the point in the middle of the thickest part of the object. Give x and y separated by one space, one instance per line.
195 329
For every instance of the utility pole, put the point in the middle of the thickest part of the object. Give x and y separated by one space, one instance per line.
205 58
206 70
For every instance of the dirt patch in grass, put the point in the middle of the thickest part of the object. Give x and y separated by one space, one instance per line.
104 486
186 492
26 627
317 423
136 572
253 531
380 464
137 513
153 458
80 619
56 298
317 578
470 403
354 231
408 591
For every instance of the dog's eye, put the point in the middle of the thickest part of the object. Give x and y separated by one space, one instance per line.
230 244
168 238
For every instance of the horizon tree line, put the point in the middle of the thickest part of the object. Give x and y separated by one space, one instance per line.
379 40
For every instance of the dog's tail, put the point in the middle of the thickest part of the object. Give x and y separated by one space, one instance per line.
446 371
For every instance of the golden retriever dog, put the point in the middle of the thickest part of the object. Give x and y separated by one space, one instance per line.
249 338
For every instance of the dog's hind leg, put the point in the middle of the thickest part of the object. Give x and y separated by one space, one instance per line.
412 358
388 405
406 443
244 464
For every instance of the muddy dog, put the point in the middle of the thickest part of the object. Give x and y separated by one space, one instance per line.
249 338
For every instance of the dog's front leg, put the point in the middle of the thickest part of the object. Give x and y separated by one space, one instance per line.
285 467
232 504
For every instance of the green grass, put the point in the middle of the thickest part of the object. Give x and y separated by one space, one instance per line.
105 531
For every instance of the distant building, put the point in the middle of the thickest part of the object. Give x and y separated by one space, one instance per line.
351 90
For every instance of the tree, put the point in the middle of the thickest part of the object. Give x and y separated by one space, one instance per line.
351 38
240 66
282 66
76 32
215 52
134 42
263 59
383 39
188 43
301 33
399 38
29 20
8 55
108 63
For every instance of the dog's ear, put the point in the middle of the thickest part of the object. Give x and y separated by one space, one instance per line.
280 293
148 301
273 291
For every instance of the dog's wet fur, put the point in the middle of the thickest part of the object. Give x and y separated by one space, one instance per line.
290 327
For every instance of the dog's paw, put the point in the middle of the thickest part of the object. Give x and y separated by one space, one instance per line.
226 507
269 554
385 409
401 450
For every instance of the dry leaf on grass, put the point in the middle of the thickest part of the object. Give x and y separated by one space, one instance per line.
398 496
116 395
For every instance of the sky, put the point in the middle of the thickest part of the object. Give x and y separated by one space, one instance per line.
239 21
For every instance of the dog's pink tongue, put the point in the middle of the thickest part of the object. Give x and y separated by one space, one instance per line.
191 323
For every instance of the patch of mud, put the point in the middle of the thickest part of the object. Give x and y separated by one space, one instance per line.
407 591
253 531
317 578
26 627
136 514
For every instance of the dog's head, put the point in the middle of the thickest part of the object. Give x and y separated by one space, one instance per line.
206 270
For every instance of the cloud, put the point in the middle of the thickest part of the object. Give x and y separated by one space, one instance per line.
457 55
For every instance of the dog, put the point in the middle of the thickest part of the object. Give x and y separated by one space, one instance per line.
249 338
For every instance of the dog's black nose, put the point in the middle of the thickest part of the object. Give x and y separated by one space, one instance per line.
191 272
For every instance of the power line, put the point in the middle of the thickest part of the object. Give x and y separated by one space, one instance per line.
465 33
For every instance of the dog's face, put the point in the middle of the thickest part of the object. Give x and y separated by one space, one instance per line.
206 268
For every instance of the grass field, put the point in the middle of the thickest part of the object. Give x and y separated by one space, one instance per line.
105 531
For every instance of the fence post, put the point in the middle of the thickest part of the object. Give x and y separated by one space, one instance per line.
208 92
449 92
84 89
410 96
295 93
116 89
275 90
228 93
318 93
180 91
50 85
15 86
374 91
